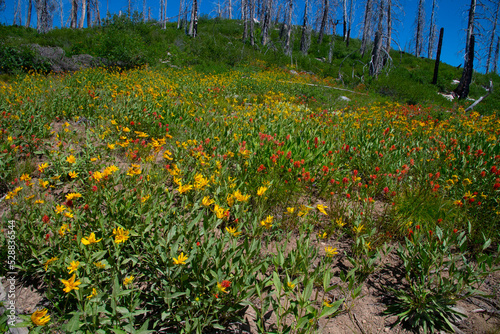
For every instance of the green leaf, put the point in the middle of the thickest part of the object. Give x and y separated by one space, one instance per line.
330 310
74 323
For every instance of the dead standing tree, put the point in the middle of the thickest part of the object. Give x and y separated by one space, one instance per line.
324 19
419 31
432 30
288 34
266 22
462 90
305 39
492 35
376 59
367 21
193 25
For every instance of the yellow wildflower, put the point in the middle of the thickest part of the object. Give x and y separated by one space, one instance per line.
232 231
207 201
90 240
181 259
71 159
93 294
73 175
322 208
71 284
268 222
330 251
120 234
42 167
261 191
72 196
40 317
73 266
128 280
49 261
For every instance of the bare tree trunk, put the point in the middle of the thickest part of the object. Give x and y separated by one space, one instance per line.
129 9
97 13
288 36
344 18
266 22
349 24
193 26
389 26
492 39
462 89
376 58
251 8
149 13
42 16
304 43
419 39
438 57
497 52
84 10
74 14
432 30
278 13
244 17
324 20
470 29
61 13
332 43
366 25
164 14
179 18
89 11
28 18
230 10
17 14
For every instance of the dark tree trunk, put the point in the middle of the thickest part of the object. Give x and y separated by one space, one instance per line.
324 20
74 14
438 57
304 45
28 19
497 52
244 14
463 87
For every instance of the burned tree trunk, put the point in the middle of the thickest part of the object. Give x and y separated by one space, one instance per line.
492 39
420 28
324 20
462 91
438 57
497 51
288 35
244 17
28 18
266 22
366 26
42 24
193 25
304 39
376 60
74 14
432 31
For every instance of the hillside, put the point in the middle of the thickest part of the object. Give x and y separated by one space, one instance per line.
218 47
223 190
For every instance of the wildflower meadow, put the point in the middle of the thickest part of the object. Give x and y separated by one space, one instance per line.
160 199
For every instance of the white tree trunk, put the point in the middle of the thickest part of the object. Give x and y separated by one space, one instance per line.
366 25
84 10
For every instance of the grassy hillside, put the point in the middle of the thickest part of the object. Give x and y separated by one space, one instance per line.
226 187
218 47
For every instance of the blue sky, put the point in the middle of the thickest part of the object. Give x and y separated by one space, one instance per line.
451 14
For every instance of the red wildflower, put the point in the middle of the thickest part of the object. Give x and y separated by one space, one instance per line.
45 219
